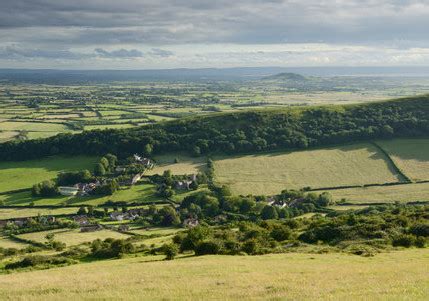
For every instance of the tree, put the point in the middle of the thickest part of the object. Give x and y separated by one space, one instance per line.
269 212
81 211
105 163
112 160
324 200
169 216
99 169
148 149
170 251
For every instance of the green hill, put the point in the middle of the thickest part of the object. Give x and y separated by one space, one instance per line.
286 77
243 132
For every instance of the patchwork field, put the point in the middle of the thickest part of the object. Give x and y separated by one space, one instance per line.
73 237
356 164
185 164
24 174
400 275
410 155
384 194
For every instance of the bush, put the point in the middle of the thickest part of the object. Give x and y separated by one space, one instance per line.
208 247
420 230
403 240
170 251
38 260
420 242
280 233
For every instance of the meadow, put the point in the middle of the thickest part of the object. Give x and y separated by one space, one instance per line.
399 275
24 174
8 213
73 237
410 155
383 194
270 173
177 163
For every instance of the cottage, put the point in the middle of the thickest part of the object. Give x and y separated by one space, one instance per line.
123 228
190 222
91 228
82 220
183 185
117 216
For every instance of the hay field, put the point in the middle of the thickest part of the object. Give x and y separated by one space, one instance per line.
24 174
410 155
400 275
185 165
6 213
384 194
270 173
73 237
6 243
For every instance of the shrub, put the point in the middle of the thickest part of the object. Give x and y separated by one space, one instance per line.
403 240
420 230
38 260
208 247
170 251
420 242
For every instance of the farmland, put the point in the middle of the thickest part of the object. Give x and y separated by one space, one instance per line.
395 276
24 174
410 155
270 173
72 237
180 164
30 111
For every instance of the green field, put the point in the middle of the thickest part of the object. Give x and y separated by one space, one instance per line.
141 193
400 275
270 173
24 174
185 165
73 237
383 194
6 213
410 155
6 243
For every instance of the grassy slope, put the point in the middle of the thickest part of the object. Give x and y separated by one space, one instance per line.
6 213
356 164
384 194
410 155
24 174
390 276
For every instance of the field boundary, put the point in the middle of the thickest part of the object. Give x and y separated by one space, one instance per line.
390 160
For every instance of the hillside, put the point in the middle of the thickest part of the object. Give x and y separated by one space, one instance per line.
241 132
389 276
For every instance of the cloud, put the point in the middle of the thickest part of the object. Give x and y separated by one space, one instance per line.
161 52
121 53
13 52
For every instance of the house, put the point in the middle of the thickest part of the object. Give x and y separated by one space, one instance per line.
117 216
144 161
86 188
123 228
82 220
278 203
182 185
190 222
91 228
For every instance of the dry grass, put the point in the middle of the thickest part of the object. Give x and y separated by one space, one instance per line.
186 164
410 155
6 213
73 237
6 242
384 194
399 275
271 173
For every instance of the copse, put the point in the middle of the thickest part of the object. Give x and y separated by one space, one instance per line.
238 132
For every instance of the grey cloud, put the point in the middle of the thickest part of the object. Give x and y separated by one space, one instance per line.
121 53
161 52
221 21
12 52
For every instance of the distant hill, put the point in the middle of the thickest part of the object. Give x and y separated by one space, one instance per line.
285 76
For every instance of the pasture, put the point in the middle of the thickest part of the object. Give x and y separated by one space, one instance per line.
185 164
410 155
383 194
24 174
400 275
6 213
270 173
73 237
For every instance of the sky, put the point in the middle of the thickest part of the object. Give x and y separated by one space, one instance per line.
158 34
